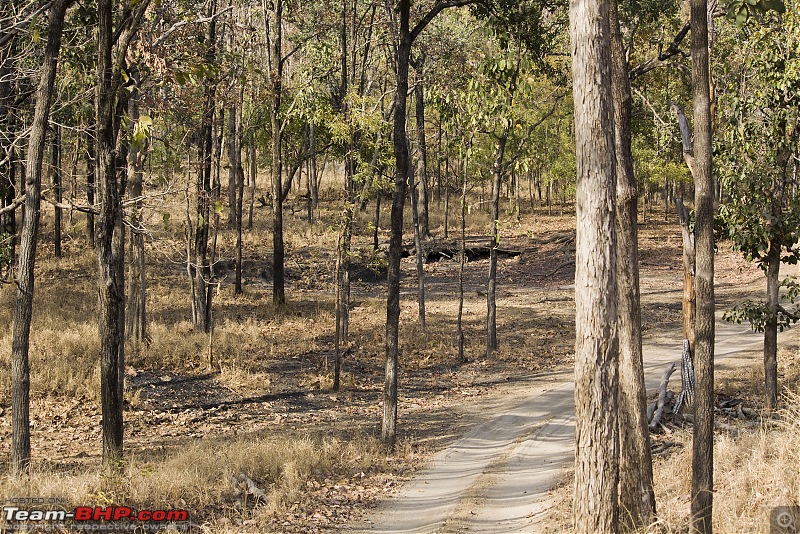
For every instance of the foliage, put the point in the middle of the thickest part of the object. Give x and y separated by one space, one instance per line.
761 134
757 313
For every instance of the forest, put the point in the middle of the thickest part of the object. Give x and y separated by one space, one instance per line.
264 263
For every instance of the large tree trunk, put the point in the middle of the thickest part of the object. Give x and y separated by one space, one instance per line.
636 498
20 371
110 239
595 504
703 436
771 326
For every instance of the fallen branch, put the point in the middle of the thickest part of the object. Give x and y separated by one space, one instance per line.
654 415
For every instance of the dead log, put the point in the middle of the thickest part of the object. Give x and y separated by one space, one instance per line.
656 411
475 247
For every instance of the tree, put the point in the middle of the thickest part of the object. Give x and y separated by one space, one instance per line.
200 265
703 433
763 210
110 100
595 503
404 36
20 371
636 498
276 61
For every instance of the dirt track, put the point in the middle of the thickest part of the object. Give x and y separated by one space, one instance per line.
496 478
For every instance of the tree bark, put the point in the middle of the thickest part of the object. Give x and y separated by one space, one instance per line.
462 258
402 56
417 221
8 185
276 82
253 172
636 497
110 261
201 268
90 181
312 178
20 371
422 162
595 504
233 166
136 315
703 435
491 301
771 326
239 216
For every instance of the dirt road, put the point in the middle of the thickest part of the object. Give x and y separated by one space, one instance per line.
496 478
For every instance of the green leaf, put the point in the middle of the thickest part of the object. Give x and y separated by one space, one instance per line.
219 207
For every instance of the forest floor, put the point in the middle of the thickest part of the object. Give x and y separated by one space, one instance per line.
264 406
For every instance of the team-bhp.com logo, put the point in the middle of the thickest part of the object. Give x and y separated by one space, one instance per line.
97 518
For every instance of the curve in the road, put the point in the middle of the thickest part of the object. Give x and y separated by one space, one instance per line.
496 478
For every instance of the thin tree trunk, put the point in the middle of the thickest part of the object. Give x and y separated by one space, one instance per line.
312 179
202 266
136 315
491 298
462 258
771 326
422 163
703 435
403 53
337 336
377 221
55 169
447 201
233 167
636 497
90 181
595 503
20 371
415 215
239 216
253 171
110 245
8 186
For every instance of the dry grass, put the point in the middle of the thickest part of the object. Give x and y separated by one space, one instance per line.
197 476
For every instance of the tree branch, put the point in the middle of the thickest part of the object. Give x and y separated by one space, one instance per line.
672 50
180 24
435 10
